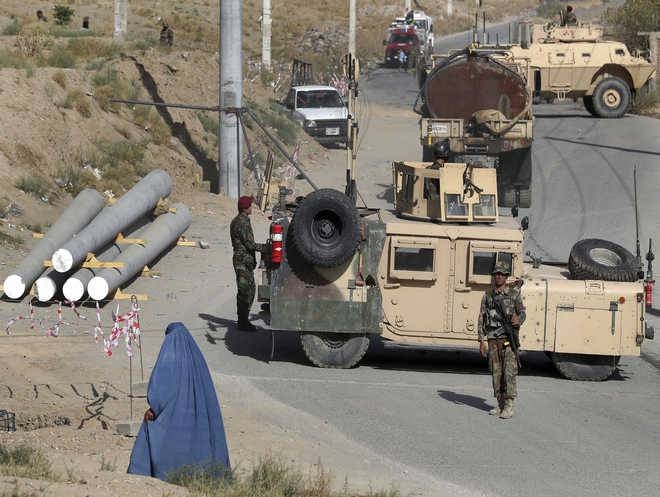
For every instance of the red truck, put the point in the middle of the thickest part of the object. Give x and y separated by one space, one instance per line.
401 40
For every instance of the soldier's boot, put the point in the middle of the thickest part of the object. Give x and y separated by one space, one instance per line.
497 410
243 322
507 411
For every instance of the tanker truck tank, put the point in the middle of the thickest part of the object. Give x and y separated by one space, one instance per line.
478 100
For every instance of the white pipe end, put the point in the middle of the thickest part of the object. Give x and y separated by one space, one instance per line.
97 288
62 260
45 289
73 289
14 286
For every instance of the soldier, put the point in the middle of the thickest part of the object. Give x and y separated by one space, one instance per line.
569 17
245 261
440 156
502 304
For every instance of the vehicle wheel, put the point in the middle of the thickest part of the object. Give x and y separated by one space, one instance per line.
584 367
594 259
334 350
588 102
326 228
611 98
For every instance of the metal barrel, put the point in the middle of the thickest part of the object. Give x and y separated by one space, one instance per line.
82 210
140 199
467 83
158 236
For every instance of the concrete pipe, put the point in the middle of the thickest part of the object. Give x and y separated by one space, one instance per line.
75 286
131 206
158 236
46 286
77 215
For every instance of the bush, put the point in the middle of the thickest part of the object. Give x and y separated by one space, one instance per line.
270 477
73 179
62 14
12 29
87 48
24 462
61 57
632 17
646 102
103 94
60 78
12 59
76 99
36 186
31 43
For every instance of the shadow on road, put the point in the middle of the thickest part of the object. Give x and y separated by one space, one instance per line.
387 194
465 400
262 345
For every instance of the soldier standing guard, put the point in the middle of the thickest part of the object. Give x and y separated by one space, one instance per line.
501 305
245 261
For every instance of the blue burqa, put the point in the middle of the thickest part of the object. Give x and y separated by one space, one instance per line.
187 429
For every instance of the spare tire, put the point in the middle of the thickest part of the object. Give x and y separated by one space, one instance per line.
326 228
594 259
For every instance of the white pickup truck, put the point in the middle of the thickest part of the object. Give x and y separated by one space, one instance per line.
321 111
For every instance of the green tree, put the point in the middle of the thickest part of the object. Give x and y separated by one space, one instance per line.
632 17
62 14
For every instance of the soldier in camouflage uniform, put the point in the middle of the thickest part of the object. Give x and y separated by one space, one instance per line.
499 305
245 261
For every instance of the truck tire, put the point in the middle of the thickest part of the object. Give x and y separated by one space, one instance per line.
588 102
334 350
584 367
611 98
594 259
326 228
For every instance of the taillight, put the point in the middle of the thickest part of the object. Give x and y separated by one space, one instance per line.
276 231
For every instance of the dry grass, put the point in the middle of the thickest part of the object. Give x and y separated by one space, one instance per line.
76 99
60 78
24 462
270 477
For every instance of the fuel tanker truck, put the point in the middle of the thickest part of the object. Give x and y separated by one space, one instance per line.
478 102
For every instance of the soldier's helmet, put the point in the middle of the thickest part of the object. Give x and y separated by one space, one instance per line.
501 267
441 149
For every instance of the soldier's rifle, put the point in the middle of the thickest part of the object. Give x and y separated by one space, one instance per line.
510 331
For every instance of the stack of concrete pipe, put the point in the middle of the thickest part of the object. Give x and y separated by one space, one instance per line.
86 226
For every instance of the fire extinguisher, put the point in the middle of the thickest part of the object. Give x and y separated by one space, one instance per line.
276 243
649 281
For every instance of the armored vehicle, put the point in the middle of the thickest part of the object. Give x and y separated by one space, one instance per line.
342 276
478 100
575 62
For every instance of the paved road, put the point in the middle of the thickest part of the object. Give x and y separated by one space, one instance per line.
428 409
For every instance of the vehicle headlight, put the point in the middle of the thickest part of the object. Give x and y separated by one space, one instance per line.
310 124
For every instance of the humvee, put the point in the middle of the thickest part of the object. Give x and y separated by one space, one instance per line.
575 62
416 275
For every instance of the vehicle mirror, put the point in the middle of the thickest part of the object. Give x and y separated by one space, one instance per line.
524 223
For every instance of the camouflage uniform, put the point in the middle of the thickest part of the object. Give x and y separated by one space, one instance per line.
570 19
245 262
502 360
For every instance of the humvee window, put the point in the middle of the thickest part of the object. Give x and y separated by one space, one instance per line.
454 207
408 182
485 207
484 262
413 259
431 188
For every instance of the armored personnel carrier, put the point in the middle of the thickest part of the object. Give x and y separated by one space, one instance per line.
342 276
575 62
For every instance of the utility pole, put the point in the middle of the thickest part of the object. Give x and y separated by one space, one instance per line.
121 17
231 95
408 5
266 23
352 25
450 8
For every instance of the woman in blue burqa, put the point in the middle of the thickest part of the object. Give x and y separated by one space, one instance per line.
183 425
